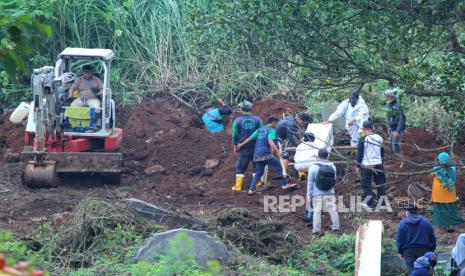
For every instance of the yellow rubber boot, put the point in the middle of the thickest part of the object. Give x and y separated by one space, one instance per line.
259 182
239 182
302 175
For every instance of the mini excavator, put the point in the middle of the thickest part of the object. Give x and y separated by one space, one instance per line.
65 141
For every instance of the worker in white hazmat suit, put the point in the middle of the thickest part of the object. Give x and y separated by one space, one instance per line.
355 112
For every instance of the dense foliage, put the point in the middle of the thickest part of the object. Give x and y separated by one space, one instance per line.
198 48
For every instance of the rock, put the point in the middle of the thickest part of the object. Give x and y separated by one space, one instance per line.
142 154
59 218
38 219
12 157
204 247
162 216
172 131
417 191
154 169
211 164
158 133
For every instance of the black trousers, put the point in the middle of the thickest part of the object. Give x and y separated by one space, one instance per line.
410 255
244 157
377 174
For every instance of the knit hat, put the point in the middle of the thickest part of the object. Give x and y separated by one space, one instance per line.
354 94
245 105
444 158
272 119
422 262
390 93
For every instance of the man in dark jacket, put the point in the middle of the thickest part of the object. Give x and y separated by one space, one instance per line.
243 127
287 130
395 119
415 237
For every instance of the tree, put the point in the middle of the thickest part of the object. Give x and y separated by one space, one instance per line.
18 34
417 45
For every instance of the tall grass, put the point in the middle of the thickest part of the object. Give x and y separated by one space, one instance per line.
155 45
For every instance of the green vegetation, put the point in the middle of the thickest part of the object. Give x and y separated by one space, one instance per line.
174 262
331 255
103 238
310 50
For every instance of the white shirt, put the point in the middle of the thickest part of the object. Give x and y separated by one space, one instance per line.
359 112
372 150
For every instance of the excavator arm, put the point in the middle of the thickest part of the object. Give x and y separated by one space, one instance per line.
40 171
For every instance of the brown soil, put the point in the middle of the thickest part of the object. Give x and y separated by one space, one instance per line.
162 131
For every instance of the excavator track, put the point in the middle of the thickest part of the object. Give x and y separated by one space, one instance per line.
75 167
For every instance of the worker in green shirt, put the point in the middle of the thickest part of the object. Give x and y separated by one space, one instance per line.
243 127
266 153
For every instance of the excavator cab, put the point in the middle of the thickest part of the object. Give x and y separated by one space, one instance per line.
61 140
100 119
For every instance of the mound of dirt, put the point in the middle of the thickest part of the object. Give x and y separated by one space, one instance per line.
11 138
166 148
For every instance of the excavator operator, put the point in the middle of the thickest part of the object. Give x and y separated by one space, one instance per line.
86 89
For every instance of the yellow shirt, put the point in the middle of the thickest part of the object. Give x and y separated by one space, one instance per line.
441 194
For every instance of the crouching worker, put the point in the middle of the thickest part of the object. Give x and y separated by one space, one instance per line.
320 191
243 127
213 116
266 153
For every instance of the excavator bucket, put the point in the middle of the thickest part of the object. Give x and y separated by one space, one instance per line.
72 167
40 174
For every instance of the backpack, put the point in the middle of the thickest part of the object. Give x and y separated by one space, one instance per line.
325 178
308 216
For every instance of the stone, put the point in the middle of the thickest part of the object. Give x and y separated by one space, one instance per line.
60 218
159 133
204 247
162 216
12 157
417 191
154 169
211 164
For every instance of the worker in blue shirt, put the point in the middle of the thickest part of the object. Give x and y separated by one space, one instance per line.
212 118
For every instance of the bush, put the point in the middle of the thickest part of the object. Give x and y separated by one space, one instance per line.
328 255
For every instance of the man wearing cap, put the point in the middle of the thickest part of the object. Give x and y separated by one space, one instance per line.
243 127
355 112
266 153
415 236
287 130
370 154
395 119
86 89
212 118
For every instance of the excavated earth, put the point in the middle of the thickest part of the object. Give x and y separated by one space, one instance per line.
170 160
